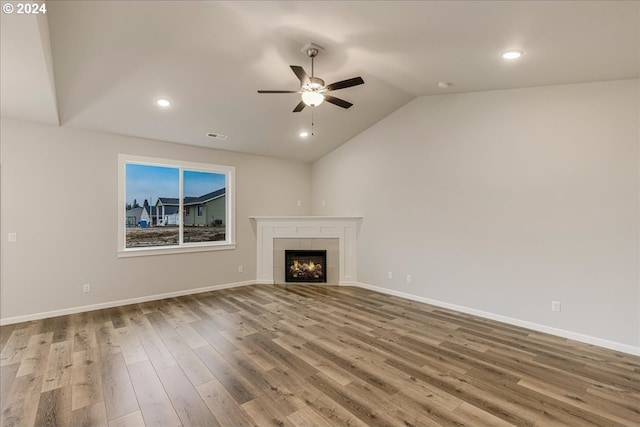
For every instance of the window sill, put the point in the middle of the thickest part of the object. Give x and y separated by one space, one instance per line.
136 252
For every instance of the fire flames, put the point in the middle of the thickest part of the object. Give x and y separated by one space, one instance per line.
306 270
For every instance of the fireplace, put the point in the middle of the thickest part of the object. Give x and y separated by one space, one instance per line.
342 260
306 266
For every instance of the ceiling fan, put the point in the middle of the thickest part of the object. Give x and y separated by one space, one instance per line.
312 89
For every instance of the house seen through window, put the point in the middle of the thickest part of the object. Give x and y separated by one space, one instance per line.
176 206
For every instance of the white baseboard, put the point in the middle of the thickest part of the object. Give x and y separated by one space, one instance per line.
612 345
110 304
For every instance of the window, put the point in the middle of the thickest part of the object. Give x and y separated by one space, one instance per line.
154 192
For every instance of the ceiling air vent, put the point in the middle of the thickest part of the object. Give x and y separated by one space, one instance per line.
217 136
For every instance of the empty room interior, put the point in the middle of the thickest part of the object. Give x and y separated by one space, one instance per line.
320 213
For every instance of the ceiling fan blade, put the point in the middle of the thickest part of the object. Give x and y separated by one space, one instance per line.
299 107
301 73
278 91
345 83
337 101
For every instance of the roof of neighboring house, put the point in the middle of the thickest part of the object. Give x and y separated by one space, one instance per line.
205 197
189 200
168 201
134 212
168 210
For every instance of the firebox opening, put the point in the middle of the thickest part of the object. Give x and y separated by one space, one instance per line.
305 266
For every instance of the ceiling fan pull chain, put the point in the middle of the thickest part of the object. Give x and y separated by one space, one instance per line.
312 122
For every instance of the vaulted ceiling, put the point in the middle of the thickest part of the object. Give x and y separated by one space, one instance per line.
100 65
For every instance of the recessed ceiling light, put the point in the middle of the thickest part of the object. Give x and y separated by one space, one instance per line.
512 54
162 102
304 134
444 84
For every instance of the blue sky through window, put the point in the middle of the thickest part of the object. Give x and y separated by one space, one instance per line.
150 182
197 184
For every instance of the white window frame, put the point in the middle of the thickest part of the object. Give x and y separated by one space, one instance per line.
181 247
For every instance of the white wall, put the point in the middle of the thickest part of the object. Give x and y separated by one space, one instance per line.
59 194
502 201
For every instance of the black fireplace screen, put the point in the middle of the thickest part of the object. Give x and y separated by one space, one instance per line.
305 266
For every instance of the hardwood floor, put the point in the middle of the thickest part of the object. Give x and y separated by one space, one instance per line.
305 356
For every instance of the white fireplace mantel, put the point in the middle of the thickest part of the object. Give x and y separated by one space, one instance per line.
343 228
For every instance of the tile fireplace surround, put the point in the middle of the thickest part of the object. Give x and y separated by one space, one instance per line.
343 228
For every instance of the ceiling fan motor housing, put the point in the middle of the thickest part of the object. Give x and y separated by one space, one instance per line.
313 89
315 83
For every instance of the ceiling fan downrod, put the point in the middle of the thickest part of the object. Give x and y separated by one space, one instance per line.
312 52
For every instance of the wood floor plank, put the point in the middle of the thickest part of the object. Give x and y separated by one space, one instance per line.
192 366
156 350
308 417
86 381
257 355
185 399
196 371
296 346
5 333
119 395
54 408
155 405
476 416
58 368
602 408
90 416
328 408
83 330
20 405
107 338
291 355
208 332
190 336
458 387
351 401
223 406
36 355
133 419
237 387
130 345
16 345
265 414
7 377
285 400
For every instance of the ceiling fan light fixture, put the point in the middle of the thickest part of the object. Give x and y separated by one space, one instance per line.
312 99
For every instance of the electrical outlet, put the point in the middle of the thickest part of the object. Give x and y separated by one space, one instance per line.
86 287
240 269
408 278
390 275
299 202
12 237
555 306
324 203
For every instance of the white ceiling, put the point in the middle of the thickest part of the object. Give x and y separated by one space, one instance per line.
100 65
